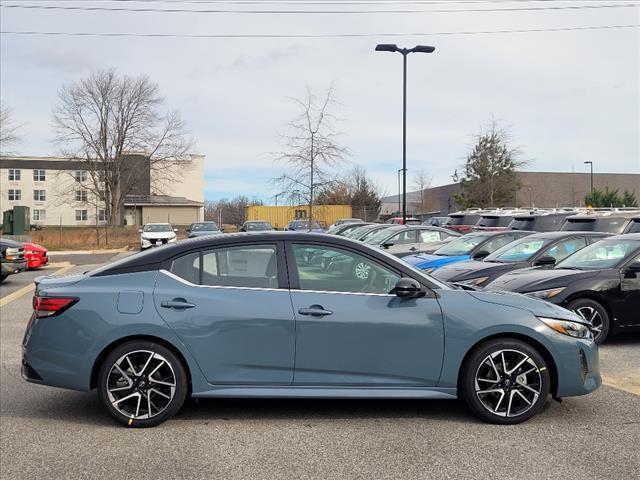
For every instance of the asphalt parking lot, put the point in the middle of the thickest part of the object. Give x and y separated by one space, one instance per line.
51 433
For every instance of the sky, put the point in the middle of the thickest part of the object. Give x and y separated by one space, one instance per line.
565 96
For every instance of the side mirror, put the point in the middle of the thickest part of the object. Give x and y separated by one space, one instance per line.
409 288
387 245
631 271
544 261
481 254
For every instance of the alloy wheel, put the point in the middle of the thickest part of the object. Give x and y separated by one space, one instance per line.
141 384
592 316
508 383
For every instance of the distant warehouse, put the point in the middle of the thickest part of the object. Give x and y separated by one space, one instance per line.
59 192
280 216
539 189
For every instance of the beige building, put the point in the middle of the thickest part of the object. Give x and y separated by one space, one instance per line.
53 190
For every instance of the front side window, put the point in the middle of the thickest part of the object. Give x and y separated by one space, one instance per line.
603 254
461 246
81 195
14 174
39 176
345 271
563 249
15 194
253 266
81 215
38 214
429 236
39 195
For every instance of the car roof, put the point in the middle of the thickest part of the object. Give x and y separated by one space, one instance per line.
625 236
494 233
565 233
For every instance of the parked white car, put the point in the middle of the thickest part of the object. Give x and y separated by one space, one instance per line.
155 234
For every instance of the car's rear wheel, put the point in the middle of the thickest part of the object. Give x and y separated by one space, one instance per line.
142 384
594 313
505 381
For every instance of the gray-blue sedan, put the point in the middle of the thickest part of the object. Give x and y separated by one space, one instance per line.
247 315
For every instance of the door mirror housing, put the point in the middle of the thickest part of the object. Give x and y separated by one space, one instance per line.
545 260
481 255
409 288
387 245
631 271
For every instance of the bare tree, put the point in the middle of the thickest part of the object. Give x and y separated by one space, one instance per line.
421 182
102 119
311 149
9 128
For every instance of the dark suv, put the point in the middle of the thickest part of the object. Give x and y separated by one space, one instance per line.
540 220
612 221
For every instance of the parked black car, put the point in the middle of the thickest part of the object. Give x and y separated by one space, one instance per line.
607 221
601 282
541 249
540 220
11 258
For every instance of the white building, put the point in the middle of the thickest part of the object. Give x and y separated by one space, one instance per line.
53 190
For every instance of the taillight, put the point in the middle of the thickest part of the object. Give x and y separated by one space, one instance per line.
50 306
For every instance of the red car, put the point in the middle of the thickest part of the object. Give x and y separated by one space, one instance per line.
36 255
398 221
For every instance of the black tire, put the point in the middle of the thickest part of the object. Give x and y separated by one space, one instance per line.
585 306
172 371
3 278
538 379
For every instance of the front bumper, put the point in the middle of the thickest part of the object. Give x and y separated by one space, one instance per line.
10 267
578 368
155 242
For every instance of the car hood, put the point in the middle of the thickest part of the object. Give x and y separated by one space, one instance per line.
34 247
538 307
419 259
537 278
437 261
158 234
472 269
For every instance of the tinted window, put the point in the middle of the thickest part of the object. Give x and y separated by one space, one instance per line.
497 242
242 266
633 227
346 272
257 226
564 248
494 221
157 228
522 223
204 227
187 267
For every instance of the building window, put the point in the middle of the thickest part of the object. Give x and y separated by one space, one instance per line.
15 194
39 195
81 215
38 215
81 195
80 175
14 174
39 176
102 215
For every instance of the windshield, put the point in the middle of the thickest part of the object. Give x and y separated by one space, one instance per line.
253 226
381 235
361 230
599 255
609 225
304 225
157 227
518 251
494 221
461 246
204 227
522 223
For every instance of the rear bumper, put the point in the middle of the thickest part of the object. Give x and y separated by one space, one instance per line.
11 267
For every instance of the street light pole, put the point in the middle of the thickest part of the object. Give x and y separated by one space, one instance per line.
399 192
386 47
591 175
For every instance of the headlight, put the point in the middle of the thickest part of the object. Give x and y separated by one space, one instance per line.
566 327
474 282
545 294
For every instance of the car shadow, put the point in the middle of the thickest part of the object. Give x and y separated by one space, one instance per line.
623 339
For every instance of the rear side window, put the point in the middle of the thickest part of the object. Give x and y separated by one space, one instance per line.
427 236
253 266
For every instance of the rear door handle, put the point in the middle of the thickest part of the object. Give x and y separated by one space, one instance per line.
314 312
177 304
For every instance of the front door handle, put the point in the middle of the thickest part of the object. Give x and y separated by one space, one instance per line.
177 304
315 311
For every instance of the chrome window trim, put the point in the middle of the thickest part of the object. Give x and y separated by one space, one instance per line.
186 282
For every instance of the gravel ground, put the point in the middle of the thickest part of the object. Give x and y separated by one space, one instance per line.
51 433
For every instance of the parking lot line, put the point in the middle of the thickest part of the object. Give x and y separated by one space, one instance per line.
64 267
609 382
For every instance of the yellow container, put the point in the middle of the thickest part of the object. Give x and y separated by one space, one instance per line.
280 216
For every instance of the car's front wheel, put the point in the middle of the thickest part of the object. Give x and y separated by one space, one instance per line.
505 381
595 314
142 384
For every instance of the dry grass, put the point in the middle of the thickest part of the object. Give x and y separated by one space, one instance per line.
81 238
